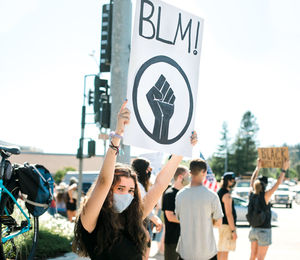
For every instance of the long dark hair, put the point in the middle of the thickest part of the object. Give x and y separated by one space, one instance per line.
140 166
109 223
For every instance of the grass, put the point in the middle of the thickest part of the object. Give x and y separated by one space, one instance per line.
52 245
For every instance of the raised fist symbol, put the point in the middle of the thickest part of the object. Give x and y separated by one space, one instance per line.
161 100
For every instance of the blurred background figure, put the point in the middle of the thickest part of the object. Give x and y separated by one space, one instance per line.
72 199
227 231
172 233
61 197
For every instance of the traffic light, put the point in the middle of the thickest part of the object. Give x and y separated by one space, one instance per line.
91 97
91 148
79 154
106 31
102 104
101 87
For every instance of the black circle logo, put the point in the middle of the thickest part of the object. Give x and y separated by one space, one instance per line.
143 68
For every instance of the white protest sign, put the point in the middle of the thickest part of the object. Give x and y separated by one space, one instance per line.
163 77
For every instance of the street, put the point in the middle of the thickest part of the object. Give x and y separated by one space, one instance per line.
285 237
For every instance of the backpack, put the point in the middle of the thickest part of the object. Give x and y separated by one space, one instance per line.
36 186
257 213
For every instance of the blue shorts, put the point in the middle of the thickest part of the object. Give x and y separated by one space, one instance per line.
263 236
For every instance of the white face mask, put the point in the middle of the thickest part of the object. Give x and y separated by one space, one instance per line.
122 201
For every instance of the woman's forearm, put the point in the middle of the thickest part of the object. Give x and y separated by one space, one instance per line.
162 180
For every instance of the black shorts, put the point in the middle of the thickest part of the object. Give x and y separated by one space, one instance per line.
71 206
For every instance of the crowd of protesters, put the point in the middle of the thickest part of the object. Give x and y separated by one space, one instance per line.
116 217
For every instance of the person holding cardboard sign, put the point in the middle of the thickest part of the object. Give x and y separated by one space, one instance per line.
260 234
110 222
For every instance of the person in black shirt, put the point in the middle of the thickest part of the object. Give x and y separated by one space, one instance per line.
181 178
110 222
261 236
227 232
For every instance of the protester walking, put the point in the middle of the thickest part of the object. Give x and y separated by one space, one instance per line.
62 198
110 223
227 231
72 196
172 226
198 210
260 234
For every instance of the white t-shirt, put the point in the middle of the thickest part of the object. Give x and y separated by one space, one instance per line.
195 208
143 194
142 190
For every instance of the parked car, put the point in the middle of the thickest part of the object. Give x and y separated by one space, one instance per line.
242 189
282 195
294 189
241 208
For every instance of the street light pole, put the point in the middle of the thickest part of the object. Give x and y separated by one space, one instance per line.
81 140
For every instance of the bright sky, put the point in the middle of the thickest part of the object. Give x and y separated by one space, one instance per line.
250 60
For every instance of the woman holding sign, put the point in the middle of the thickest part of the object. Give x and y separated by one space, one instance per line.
110 222
259 211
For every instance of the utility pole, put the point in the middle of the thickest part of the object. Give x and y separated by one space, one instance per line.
80 154
121 37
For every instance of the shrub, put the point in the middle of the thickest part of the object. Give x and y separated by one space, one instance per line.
55 237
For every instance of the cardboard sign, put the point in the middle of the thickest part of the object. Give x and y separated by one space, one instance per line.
273 157
163 77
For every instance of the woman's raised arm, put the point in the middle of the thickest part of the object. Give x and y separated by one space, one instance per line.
91 210
269 193
255 174
163 179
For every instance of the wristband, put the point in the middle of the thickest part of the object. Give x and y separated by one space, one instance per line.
113 134
114 147
233 231
285 171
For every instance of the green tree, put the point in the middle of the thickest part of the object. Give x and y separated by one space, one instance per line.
220 160
60 174
223 149
217 165
297 168
245 145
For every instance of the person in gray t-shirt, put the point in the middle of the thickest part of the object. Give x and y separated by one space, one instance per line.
198 210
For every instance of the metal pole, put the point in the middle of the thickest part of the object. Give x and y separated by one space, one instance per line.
81 141
121 36
80 153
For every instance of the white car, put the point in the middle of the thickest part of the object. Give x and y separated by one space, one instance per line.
282 195
295 189
241 208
